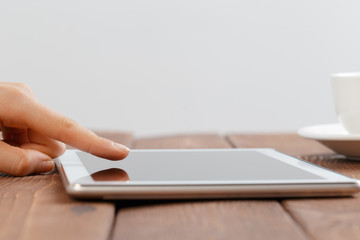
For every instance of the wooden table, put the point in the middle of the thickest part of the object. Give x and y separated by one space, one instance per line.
36 207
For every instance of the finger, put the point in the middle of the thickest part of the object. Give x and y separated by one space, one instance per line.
59 127
13 136
18 135
46 145
55 150
21 162
30 139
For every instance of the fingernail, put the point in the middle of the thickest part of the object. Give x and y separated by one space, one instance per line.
46 166
120 147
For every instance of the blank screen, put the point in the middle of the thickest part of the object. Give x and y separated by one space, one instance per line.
193 166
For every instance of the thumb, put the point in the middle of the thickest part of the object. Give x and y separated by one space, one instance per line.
21 162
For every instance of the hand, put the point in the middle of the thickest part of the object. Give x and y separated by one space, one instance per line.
34 134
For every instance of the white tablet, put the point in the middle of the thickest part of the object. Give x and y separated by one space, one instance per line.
199 173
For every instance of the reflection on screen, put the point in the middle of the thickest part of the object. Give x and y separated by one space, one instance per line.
111 174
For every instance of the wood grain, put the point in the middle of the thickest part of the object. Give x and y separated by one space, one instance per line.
337 218
225 219
37 207
182 141
322 218
289 143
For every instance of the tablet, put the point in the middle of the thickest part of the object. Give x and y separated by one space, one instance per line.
199 173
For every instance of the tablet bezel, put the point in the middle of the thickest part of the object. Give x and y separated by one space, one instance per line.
332 184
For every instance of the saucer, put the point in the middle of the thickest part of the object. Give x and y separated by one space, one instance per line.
335 137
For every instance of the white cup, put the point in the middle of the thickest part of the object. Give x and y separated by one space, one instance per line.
346 89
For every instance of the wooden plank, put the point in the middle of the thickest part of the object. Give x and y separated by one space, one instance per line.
336 218
37 207
225 219
322 218
291 144
182 141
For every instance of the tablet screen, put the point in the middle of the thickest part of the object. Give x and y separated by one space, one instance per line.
198 173
195 166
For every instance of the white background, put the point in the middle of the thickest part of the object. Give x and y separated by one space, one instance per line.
161 67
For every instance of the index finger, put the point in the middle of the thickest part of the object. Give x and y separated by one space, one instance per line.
56 126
